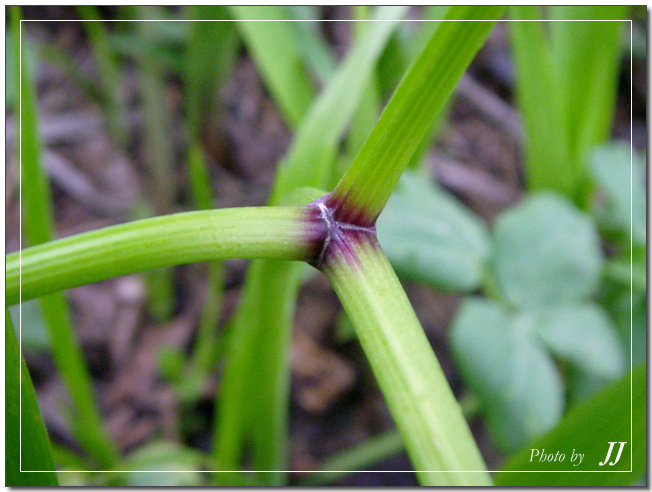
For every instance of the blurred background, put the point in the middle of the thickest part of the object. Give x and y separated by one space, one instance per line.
139 119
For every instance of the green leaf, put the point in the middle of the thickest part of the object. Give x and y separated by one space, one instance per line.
566 85
586 57
109 69
24 429
584 336
618 172
309 160
430 237
588 428
407 119
519 386
358 457
546 252
271 44
211 50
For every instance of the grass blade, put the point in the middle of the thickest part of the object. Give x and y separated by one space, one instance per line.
38 229
24 429
566 91
358 457
109 73
370 180
271 45
310 159
588 428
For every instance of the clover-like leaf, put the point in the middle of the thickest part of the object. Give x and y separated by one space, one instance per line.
584 336
546 252
521 391
618 172
430 237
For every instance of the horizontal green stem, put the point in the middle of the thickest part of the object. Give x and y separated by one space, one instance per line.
431 423
265 232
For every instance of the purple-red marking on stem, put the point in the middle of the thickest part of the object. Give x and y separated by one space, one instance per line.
333 236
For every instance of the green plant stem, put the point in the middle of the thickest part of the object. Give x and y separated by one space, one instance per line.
265 232
430 420
410 113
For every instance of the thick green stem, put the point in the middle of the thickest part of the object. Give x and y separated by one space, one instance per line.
431 422
266 232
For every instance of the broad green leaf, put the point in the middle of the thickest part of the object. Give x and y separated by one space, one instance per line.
24 429
618 172
430 237
546 252
517 382
583 336
587 429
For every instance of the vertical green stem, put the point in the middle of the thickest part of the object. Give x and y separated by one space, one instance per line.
431 422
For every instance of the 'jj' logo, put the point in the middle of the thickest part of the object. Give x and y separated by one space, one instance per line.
611 447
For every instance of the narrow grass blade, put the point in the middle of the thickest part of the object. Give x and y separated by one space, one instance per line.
367 113
266 327
309 161
211 48
38 221
271 44
587 429
431 422
586 57
24 430
360 457
370 180
159 157
109 73
308 38
265 232
566 85
547 146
